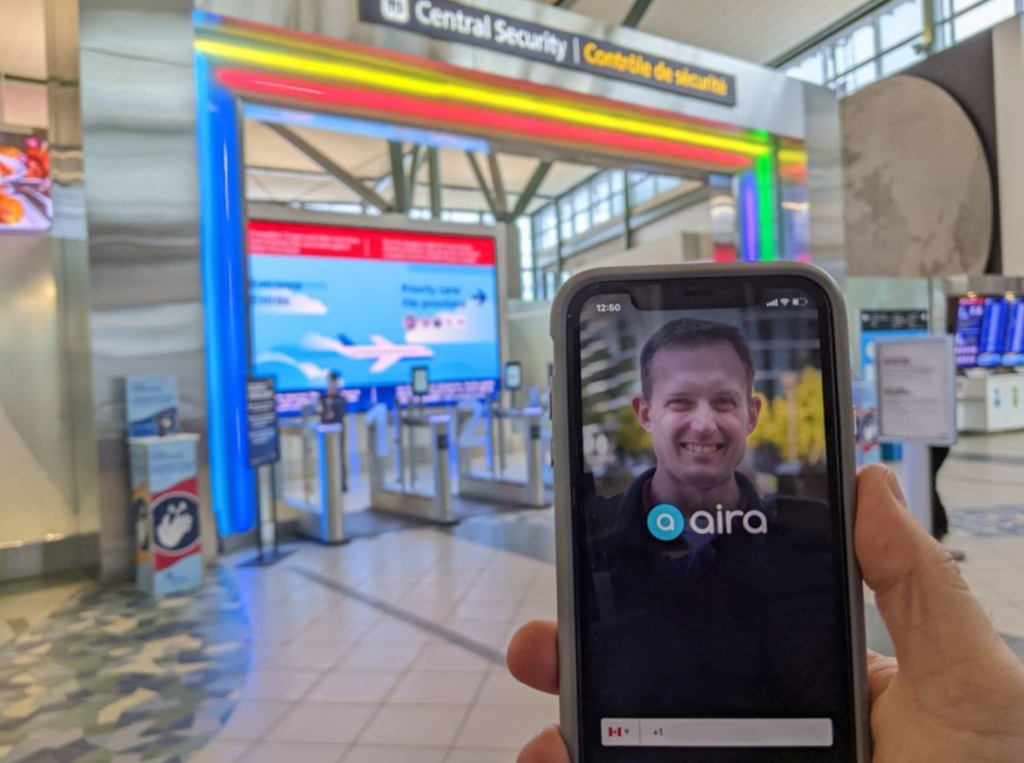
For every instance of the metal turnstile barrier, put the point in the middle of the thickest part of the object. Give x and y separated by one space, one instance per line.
401 496
311 477
496 485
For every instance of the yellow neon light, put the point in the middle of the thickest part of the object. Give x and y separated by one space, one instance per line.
450 91
792 156
276 39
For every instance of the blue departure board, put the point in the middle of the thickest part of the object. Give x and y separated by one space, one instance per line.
993 332
1014 354
970 314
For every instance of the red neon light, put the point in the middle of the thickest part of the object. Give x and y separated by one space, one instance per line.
400 60
297 240
388 105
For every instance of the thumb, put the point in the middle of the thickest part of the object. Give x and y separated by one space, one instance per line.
931 615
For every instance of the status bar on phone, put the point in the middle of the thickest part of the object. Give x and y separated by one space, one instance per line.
716 732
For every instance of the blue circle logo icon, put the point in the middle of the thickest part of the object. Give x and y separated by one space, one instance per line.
666 522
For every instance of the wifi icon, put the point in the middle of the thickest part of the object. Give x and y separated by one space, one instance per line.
784 301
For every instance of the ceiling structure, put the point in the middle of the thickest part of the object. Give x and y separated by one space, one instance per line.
277 171
753 30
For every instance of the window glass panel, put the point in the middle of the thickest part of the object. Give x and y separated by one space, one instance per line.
810 69
529 292
565 211
602 212
854 48
618 180
900 58
665 183
984 16
525 228
899 22
618 204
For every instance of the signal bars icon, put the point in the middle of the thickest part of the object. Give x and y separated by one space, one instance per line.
781 301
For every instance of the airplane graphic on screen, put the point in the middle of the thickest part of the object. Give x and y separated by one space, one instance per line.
383 351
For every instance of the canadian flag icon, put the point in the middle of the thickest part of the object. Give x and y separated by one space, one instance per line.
615 731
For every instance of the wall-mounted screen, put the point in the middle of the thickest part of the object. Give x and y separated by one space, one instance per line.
993 332
1014 354
370 305
970 314
25 205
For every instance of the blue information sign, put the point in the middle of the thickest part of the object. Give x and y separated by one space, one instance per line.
261 414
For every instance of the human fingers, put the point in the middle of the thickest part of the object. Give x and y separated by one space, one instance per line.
881 671
933 618
533 655
546 747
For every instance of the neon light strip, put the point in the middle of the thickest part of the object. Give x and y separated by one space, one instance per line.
764 172
224 301
384 131
749 223
384 104
448 91
262 34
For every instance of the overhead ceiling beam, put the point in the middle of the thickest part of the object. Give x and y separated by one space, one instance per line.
530 192
482 182
332 167
414 170
434 171
565 3
500 197
398 176
636 13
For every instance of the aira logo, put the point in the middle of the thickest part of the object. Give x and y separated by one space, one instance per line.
666 523
395 11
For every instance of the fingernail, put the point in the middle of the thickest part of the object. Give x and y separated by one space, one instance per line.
545 728
894 486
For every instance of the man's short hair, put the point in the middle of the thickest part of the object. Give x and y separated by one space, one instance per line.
688 333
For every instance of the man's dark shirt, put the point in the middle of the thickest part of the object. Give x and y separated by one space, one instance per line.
736 622
333 408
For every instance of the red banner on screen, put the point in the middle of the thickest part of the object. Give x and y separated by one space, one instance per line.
296 240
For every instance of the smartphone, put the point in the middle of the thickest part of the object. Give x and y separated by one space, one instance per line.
710 605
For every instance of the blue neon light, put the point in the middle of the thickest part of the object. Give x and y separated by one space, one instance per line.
224 300
364 127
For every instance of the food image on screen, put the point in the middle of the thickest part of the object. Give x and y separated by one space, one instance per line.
970 315
713 612
25 204
1014 355
993 332
371 305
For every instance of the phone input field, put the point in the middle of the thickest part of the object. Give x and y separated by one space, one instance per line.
716 732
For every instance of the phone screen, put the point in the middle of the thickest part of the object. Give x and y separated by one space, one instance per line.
712 593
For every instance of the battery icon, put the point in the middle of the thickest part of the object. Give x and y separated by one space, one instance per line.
800 302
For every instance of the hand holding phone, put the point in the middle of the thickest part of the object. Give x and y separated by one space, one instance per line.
709 602
948 699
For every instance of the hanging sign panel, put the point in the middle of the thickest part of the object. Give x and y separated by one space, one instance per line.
483 29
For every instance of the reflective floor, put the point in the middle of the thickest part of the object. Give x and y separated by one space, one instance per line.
385 650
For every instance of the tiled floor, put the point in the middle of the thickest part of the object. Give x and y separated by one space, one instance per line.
390 650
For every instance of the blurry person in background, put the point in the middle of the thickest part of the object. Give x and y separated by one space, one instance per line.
333 409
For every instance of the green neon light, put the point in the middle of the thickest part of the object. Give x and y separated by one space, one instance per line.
767 209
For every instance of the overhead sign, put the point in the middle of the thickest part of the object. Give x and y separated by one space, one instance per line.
917 390
261 414
483 29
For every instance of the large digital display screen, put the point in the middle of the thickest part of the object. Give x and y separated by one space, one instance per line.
993 332
1014 354
970 314
25 205
370 305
